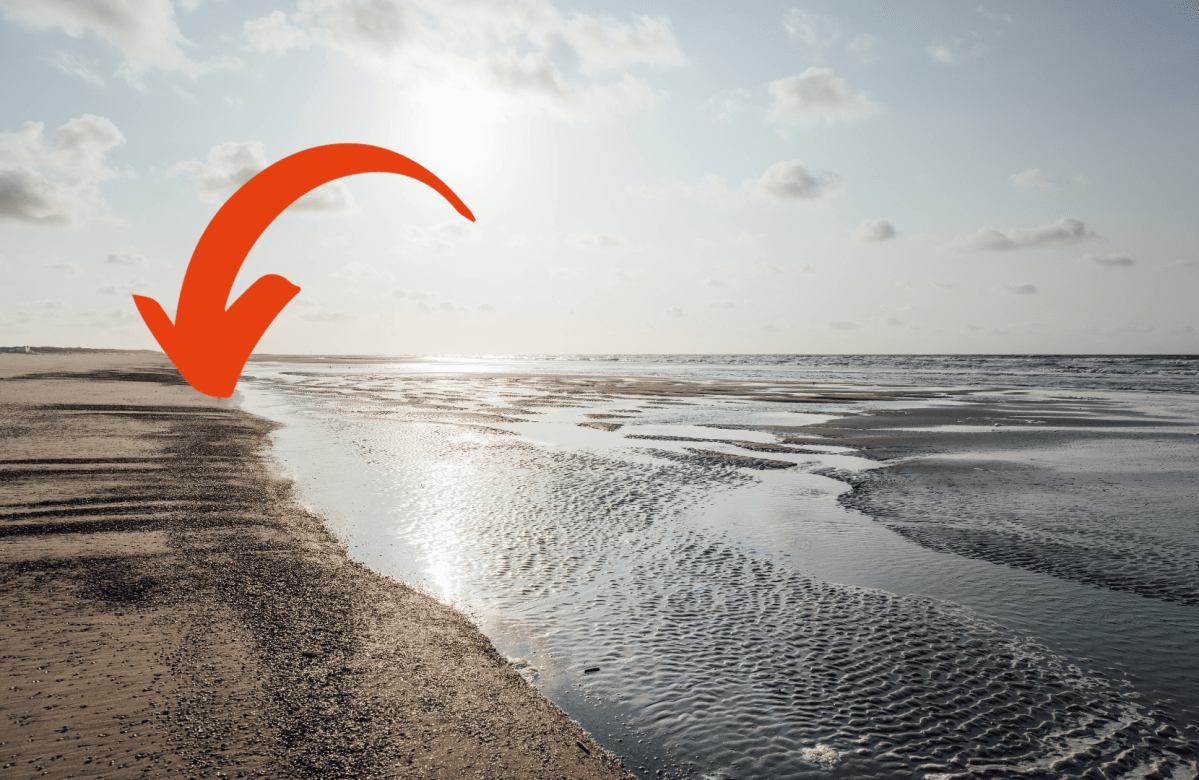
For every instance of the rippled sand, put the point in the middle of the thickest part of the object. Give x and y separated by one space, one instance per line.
666 559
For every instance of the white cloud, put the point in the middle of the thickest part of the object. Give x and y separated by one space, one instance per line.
674 313
73 66
723 305
1109 261
134 285
1021 289
863 46
875 230
474 46
724 106
315 312
1065 232
144 31
441 238
53 184
60 266
790 181
126 255
597 240
710 282
1031 178
842 325
816 95
812 30
486 307
955 51
893 322
993 16
1183 264
602 44
233 163
536 84
416 295
273 34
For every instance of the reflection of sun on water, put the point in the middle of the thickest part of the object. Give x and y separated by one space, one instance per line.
445 503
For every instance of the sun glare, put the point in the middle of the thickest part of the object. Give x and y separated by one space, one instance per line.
456 127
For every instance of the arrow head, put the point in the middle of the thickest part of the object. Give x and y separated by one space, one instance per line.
211 351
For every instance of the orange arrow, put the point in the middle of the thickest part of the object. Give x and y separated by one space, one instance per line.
209 344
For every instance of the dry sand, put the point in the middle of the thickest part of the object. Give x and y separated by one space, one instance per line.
169 610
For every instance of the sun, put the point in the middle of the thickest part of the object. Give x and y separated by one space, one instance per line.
456 127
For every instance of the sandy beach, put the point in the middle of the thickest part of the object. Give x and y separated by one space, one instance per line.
170 610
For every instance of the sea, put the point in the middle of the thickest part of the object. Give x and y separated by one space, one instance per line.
713 593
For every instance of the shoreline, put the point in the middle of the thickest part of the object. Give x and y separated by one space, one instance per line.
171 609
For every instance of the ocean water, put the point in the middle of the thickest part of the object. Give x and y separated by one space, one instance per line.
690 581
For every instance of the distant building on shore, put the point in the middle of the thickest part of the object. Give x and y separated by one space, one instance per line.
16 349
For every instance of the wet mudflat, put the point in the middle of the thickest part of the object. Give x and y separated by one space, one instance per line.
724 579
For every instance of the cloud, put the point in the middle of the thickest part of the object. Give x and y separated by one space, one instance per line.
994 16
790 181
427 303
134 285
812 30
710 282
537 85
477 46
315 312
416 295
60 266
1021 289
842 325
1183 264
875 230
816 95
863 46
1031 178
54 184
726 105
1109 261
602 44
1065 232
954 52
126 255
233 163
673 313
723 305
894 322
486 307
597 240
440 238
73 66
273 34
143 31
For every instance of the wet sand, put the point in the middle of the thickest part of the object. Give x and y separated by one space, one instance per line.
674 554
169 608
974 480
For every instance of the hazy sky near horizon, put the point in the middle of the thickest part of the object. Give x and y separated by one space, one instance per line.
741 177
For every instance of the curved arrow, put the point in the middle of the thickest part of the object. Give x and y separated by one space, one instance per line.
209 344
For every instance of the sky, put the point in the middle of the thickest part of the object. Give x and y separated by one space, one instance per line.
822 177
